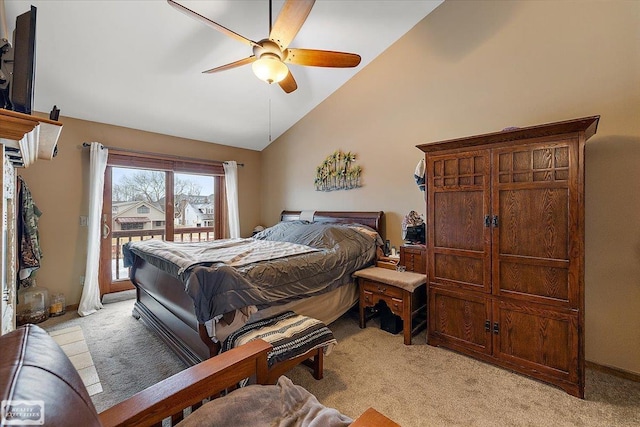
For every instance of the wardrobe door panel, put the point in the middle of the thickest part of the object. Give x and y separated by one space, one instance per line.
537 337
459 202
533 221
537 213
460 320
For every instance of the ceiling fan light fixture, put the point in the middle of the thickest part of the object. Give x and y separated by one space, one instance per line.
270 68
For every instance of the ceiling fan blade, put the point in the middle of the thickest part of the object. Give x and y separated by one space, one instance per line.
289 83
322 58
211 24
289 21
235 64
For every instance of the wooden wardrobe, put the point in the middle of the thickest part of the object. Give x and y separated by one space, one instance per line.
505 248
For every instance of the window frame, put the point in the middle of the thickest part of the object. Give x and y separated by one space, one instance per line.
172 165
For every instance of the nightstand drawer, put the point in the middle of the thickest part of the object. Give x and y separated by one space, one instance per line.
395 304
381 289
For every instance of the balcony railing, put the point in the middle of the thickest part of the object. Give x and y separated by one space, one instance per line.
182 234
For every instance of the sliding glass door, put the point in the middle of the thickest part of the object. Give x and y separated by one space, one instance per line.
156 199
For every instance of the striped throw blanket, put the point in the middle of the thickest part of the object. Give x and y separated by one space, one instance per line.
289 333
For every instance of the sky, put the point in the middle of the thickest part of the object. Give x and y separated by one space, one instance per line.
205 182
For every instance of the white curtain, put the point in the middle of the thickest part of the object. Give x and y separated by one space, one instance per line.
90 300
231 185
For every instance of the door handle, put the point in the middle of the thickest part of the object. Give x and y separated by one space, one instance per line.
105 228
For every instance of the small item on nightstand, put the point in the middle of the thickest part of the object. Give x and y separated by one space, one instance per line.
413 228
386 262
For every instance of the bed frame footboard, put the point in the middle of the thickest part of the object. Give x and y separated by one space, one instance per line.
164 306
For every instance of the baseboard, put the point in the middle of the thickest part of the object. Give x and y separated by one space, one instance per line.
613 371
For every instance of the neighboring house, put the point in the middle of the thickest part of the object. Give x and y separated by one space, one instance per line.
187 215
208 219
206 212
138 215
194 211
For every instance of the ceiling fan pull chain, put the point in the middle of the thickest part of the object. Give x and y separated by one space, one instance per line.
269 113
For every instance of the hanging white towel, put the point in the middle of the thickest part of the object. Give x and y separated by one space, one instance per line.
419 175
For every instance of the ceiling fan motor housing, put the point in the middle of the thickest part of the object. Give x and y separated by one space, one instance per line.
268 47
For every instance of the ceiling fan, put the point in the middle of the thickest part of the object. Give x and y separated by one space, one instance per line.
271 55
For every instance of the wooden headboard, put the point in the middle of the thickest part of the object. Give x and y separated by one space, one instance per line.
370 219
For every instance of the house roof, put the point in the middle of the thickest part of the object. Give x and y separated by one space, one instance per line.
129 209
132 219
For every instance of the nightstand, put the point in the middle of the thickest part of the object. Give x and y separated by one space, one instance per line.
414 257
403 292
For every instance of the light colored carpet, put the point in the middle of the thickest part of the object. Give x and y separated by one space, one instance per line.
415 385
421 385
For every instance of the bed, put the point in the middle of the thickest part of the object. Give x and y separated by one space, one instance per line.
191 303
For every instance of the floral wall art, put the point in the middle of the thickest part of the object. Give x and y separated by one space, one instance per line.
338 172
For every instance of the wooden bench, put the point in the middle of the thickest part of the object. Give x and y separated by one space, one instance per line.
295 339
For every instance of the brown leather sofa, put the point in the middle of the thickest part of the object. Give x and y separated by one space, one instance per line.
34 368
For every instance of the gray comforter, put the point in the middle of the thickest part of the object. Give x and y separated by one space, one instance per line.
218 287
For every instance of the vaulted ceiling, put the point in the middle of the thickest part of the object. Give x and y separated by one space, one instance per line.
139 64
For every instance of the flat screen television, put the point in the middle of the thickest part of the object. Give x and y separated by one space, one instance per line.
24 62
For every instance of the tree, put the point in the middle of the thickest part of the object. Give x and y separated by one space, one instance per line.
186 187
149 186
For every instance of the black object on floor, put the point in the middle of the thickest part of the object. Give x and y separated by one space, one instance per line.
388 321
